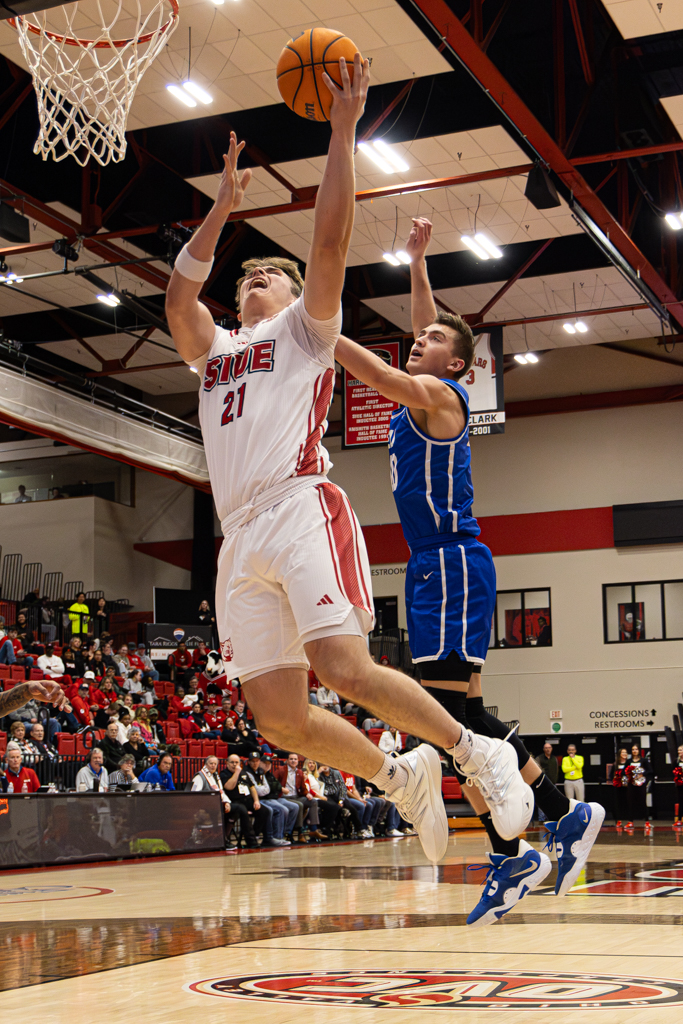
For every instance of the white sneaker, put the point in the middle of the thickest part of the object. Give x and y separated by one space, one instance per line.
365 834
494 769
395 834
420 801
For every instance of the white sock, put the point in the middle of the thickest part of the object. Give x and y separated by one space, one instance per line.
462 750
391 776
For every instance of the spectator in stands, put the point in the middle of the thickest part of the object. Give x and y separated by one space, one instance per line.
125 721
79 616
88 654
32 597
107 656
572 767
25 634
548 763
6 649
137 747
328 809
133 682
18 778
109 683
293 783
55 493
48 629
97 665
124 775
240 790
147 663
200 657
21 656
23 496
93 772
240 739
73 659
335 789
203 730
207 780
112 749
123 665
328 700
45 750
101 616
158 734
26 715
240 711
290 807
257 779
180 664
17 735
148 694
374 723
50 664
192 694
204 616
160 774
80 704
129 703
374 808
113 714
142 722
390 740
217 716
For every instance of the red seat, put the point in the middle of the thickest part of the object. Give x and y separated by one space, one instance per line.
4 672
66 744
80 745
221 749
194 748
172 730
17 672
8 684
350 718
208 747
451 789
182 746
36 673
374 735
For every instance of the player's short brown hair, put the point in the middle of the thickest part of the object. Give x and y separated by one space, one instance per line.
288 267
464 342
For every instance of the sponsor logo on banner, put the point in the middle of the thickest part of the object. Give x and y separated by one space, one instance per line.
448 990
178 633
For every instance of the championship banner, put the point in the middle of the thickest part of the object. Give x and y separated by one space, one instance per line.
163 638
366 413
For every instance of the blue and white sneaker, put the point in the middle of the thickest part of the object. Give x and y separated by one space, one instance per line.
573 835
509 879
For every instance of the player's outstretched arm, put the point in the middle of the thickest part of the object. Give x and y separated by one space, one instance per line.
419 392
190 321
334 206
48 693
422 306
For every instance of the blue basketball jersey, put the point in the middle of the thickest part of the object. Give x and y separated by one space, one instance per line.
431 480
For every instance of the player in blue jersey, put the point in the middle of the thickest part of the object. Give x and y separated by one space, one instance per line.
451 579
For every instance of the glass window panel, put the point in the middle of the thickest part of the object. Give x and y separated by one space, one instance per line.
673 609
509 612
648 612
492 638
537 626
618 598
66 476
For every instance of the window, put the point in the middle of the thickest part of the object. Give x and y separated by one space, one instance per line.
634 612
522 619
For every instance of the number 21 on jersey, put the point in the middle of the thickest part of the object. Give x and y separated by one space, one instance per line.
229 401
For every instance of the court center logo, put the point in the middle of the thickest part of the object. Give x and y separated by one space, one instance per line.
447 990
49 893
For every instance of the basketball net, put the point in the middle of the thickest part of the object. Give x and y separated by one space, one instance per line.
85 87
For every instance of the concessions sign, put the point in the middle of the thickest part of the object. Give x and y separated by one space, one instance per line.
366 413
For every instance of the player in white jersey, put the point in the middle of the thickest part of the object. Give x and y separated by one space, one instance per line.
293 583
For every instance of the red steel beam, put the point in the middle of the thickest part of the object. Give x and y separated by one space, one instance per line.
461 43
515 277
580 315
628 154
581 43
372 128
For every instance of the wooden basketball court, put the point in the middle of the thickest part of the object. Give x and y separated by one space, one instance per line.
350 932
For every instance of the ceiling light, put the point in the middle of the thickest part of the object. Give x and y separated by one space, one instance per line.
389 154
18 280
403 257
475 247
218 3
674 221
487 244
520 358
181 95
376 158
531 358
581 327
569 328
197 92
390 258
11 277
109 300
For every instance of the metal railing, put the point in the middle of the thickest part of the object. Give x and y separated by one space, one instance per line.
31 575
11 578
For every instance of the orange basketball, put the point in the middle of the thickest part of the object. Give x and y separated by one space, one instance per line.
300 70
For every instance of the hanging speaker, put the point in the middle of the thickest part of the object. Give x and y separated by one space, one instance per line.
540 190
13 227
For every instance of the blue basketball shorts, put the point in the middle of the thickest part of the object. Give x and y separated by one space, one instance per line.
450 601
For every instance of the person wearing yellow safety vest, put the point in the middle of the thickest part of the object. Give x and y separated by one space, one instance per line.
79 615
572 766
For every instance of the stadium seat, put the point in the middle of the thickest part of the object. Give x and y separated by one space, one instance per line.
208 747
182 746
66 744
374 735
80 745
36 673
17 672
451 789
194 748
8 683
350 718
221 749
4 672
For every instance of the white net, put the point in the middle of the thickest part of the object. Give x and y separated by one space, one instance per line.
85 87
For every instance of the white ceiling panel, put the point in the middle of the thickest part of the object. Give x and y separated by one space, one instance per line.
635 18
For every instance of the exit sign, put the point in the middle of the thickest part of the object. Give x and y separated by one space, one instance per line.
556 714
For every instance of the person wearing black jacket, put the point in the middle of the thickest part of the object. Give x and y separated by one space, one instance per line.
240 789
73 659
241 740
156 730
290 809
111 748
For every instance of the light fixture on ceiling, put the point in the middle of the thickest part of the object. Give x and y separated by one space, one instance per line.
390 258
531 357
578 327
397 258
373 155
197 92
569 328
403 256
674 220
520 358
488 245
526 357
475 247
396 161
181 95
109 300
581 327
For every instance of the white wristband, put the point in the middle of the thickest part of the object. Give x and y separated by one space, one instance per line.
188 266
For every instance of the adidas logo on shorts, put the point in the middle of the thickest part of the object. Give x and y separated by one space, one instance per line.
326 600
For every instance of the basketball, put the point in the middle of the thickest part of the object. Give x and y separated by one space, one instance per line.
300 70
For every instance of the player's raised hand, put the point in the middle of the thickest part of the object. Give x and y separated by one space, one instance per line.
419 238
348 103
232 186
48 693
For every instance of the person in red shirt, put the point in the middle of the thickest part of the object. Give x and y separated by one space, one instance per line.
135 660
21 779
180 663
80 705
200 657
176 701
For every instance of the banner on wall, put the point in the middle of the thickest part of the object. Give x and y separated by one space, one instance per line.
366 413
484 384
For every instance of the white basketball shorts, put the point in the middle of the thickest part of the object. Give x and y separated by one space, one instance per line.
296 572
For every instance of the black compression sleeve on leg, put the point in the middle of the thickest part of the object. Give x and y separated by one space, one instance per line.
452 701
549 798
486 724
508 847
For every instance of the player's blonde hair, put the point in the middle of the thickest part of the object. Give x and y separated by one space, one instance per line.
288 267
